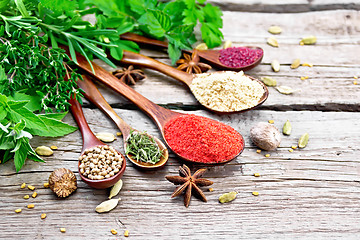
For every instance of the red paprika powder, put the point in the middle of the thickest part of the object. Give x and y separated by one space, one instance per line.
202 139
239 56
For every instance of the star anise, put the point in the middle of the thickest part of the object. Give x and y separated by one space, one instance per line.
192 64
129 75
190 184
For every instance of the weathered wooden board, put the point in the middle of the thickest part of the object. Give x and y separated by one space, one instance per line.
310 192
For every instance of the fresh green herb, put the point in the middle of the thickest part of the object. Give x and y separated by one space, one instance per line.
18 124
143 148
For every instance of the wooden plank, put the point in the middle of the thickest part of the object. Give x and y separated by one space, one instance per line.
310 192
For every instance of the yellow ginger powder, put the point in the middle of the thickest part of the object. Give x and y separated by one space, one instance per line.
226 91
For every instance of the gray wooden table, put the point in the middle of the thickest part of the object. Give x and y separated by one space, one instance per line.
306 194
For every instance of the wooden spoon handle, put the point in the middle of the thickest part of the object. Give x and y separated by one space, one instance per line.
143 40
144 61
93 95
89 139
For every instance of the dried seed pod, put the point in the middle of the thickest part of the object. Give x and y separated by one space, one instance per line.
295 64
265 135
201 46
62 182
269 81
287 128
227 44
227 197
272 42
116 189
105 137
309 40
44 151
285 90
107 206
303 140
275 65
275 30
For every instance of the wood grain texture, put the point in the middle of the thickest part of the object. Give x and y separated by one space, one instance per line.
309 193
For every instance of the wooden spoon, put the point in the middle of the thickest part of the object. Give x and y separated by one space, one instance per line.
186 78
159 114
93 94
211 56
89 141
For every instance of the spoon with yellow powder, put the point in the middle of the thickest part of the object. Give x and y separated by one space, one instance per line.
221 92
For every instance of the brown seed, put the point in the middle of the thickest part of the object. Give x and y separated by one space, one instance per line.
113 231
62 182
126 233
256 174
31 187
54 147
46 185
211 189
255 193
43 216
34 194
267 155
118 134
30 206
62 230
26 197
23 185
18 210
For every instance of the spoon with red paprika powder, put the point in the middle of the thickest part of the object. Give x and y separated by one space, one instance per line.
193 138
220 92
234 59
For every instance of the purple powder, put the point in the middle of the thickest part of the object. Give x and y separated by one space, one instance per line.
239 56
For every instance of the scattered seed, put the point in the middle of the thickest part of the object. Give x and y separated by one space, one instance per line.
307 65
44 151
23 185
107 206
105 137
271 121
31 187
26 197
18 210
201 46
54 147
275 30
284 90
30 206
126 233
303 140
46 185
256 174
272 42
275 65
356 77
116 189
258 151
269 81
294 147
295 64
302 43
267 155
255 193
62 230
118 134
43 216
227 44
291 150
34 194
309 40
227 197
287 128
211 189
355 82
113 231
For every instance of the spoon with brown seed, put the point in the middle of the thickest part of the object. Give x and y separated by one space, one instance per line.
92 143
93 95
211 56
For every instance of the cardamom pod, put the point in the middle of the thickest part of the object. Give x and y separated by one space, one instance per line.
227 197
116 189
287 128
275 30
107 206
284 90
275 65
105 137
303 140
295 64
44 151
269 81
227 44
308 40
272 42
201 46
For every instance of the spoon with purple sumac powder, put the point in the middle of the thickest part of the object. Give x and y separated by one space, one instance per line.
234 59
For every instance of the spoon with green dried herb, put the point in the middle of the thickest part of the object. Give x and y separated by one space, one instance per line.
142 149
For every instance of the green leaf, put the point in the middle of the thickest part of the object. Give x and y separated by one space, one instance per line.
157 22
117 52
56 116
6 155
174 52
33 101
20 156
32 121
19 126
211 35
3 113
14 105
58 128
60 6
21 7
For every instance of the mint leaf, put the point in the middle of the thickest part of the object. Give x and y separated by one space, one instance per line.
33 101
117 52
211 35
60 6
58 128
157 23
20 156
32 121
56 116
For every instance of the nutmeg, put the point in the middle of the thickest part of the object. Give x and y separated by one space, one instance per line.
62 182
265 135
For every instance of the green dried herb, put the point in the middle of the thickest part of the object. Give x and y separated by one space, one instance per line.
143 148
287 128
303 140
227 197
269 81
